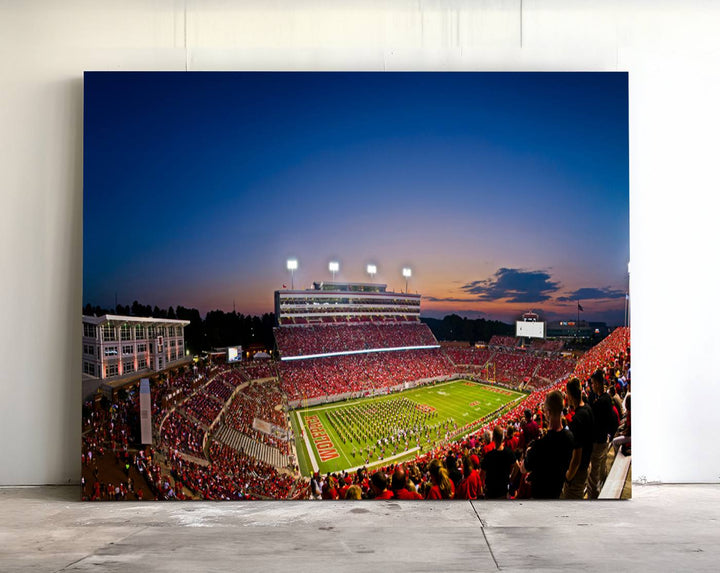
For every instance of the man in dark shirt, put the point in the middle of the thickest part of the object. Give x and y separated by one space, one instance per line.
582 427
606 424
496 467
548 459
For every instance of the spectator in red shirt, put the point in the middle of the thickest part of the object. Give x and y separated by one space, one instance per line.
378 484
531 431
471 485
400 487
442 485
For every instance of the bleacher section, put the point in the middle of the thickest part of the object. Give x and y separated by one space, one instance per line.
315 377
246 445
332 338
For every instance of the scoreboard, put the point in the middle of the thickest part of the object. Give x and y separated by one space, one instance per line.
529 329
234 354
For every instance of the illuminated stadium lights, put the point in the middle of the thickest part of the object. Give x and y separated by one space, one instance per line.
371 270
334 267
366 351
407 273
292 265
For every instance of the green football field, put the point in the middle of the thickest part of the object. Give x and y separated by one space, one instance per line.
387 429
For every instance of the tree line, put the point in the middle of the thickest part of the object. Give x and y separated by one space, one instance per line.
219 329
454 327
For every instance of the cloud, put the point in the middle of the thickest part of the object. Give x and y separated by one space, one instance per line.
515 285
468 313
448 299
589 293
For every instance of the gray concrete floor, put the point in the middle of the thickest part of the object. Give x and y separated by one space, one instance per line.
663 528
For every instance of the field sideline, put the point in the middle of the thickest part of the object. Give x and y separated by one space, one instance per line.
458 402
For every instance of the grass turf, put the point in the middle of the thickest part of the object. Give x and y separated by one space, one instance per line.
451 402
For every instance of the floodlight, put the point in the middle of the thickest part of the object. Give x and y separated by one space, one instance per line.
371 269
292 266
334 266
407 273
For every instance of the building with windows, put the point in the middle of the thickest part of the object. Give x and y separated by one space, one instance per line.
334 302
118 346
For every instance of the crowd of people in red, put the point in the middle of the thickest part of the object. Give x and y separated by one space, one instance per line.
472 468
469 355
528 452
358 373
513 367
259 401
343 319
551 369
258 369
324 338
181 434
232 476
504 341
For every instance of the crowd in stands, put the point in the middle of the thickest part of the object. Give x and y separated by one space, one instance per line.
181 434
357 373
320 339
512 367
503 341
258 369
546 345
349 319
501 458
259 401
219 390
551 369
232 476
535 344
202 408
526 453
469 355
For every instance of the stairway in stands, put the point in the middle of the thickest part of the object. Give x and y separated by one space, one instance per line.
242 443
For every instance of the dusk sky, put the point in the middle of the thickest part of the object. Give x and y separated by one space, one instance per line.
504 192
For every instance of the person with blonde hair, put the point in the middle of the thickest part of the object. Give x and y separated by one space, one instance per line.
353 492
442 485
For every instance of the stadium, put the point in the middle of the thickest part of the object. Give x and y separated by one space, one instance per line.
359 401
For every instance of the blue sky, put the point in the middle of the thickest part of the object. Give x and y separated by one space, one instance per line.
503 191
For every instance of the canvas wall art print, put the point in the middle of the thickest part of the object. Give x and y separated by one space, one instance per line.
366 286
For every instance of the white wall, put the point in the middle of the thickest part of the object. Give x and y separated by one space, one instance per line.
671 50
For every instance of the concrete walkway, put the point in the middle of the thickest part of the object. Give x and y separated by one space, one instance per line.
664 528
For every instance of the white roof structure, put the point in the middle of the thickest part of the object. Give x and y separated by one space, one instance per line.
132 319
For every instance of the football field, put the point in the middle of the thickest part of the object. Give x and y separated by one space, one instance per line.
386 429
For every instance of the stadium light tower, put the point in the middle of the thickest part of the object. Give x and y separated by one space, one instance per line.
292 265
372 270
334 267
407 273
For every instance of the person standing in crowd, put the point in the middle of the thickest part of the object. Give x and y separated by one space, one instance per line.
471 486
548 459
582 428
400 486
378 484
442 485
606 424
497 466
531 430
